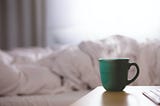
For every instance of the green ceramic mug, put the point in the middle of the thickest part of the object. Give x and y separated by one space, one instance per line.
114 73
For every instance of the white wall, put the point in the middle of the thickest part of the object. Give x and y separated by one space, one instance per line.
76 20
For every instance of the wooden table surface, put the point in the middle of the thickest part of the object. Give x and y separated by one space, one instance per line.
130 96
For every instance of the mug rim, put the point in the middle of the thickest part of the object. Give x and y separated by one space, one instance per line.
111 59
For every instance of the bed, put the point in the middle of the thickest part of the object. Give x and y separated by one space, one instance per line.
59 76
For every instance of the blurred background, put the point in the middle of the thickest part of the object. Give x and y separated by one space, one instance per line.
29 23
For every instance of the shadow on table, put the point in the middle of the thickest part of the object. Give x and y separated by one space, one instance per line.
119 99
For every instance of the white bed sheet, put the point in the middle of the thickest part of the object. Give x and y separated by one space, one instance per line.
64 99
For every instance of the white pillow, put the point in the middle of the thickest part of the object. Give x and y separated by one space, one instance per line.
5 57
29 55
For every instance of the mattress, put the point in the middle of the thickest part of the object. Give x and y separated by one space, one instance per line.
64 99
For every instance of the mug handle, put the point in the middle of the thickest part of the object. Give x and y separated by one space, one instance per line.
135 77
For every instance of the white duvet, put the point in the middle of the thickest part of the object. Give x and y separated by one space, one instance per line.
46 70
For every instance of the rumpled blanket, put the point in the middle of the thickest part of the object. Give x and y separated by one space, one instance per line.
74 67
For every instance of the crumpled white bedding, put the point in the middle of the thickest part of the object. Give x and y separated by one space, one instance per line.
46 70
62 99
